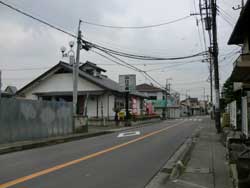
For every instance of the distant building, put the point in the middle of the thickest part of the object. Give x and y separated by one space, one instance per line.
157 99
10 91
152 92
191 107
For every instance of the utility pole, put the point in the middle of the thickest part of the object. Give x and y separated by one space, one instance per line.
211 78
76 68
164 111
168 91
204 94
216 68
0 84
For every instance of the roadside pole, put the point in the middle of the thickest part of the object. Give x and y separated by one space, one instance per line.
167 94
75 70
165 109
216 67
127 122
0 84
127 116
165 106
75 65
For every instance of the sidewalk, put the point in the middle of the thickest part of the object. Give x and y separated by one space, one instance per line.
92 132
207 167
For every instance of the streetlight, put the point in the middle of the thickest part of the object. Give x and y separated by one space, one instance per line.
71 55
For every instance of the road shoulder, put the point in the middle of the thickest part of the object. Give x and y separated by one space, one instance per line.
207 167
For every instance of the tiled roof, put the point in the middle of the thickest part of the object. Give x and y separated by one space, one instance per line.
147 87
102 81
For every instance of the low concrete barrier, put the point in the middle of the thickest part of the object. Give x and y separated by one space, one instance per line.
30 120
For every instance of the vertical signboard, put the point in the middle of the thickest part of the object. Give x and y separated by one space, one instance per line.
127 82
134 106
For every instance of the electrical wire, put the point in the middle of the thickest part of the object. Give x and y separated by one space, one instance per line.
226 13
224 16
25 69
128 66
37 19
192 82
139 57
89 43
172 66
106 57
197 24
136 27
110 51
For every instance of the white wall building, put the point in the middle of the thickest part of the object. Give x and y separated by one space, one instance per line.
98 96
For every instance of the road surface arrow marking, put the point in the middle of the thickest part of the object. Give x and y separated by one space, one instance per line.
132 133
84 158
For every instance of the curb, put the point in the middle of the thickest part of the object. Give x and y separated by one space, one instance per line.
182 155
58 140
176 164
52 141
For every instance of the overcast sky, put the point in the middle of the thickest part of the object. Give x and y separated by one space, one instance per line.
27 44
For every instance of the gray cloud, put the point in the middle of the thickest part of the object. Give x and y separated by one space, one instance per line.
25 43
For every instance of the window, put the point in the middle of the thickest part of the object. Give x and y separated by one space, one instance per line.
152 97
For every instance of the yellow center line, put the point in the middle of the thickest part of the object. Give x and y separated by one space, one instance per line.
58 167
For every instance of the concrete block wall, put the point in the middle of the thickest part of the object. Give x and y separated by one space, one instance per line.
29 120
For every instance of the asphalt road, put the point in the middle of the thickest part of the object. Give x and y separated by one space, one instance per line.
110 161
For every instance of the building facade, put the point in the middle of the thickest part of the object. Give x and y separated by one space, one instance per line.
98 96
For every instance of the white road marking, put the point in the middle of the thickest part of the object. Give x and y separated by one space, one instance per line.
125 134
187 183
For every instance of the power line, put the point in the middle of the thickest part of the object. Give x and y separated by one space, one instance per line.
226 13
25 69
197 24
225 16
192 82
95 45
136 27
106 57
203 27
139 57
122 62
172 66
37 19
226 20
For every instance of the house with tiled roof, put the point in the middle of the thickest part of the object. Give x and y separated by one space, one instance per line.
98 95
